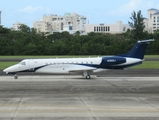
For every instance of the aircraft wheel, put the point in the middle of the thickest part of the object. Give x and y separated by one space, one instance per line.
88 77
15 77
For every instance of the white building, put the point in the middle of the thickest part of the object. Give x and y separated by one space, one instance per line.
152 22
54 23
16 25
119 27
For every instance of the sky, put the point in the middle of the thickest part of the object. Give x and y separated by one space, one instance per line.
96 11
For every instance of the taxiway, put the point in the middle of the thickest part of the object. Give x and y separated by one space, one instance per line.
68 97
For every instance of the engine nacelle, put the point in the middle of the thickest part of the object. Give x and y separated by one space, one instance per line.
107 61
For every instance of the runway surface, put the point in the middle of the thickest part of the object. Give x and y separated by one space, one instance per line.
68 97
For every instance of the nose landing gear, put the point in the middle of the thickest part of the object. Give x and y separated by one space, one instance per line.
15 76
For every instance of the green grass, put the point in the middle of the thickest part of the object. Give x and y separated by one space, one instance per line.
151 56
147 65
4 65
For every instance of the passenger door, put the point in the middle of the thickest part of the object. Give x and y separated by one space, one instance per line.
31 65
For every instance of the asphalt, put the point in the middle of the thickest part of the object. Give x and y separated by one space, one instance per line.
71 97
109 73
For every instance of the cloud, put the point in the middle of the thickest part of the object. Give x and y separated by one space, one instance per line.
30 9
132 5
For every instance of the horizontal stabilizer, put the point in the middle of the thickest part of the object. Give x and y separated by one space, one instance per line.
145 41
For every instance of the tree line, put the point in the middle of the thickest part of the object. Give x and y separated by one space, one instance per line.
26 41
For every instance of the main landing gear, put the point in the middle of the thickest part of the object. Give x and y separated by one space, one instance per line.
15 76
86 75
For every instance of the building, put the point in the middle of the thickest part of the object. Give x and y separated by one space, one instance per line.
152 22
119 27
54 23
16 26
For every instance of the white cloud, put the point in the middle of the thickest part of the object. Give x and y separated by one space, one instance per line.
30 9
132 5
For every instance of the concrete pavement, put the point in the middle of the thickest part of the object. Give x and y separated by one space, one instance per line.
67 97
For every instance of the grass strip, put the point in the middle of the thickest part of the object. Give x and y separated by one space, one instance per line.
147 65
4 65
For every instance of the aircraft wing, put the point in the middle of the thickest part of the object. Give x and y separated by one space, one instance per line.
76 68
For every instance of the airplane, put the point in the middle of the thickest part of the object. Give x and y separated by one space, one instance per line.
85 66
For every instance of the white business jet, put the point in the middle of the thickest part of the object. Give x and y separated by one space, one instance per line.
85 66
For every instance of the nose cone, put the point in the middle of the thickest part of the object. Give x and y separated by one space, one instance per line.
5 70
8 70
11 69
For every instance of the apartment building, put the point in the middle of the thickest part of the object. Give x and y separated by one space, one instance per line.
152 22
54 23
118 27
16 25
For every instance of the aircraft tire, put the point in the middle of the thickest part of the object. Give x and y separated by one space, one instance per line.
88 77
15 77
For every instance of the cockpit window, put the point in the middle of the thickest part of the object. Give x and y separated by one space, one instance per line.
22 63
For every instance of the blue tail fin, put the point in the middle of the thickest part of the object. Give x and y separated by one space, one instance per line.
139 49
